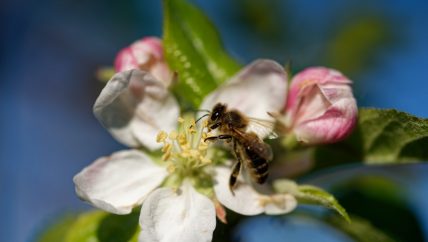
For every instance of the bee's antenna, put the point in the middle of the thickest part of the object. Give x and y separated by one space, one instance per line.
191 126
201 117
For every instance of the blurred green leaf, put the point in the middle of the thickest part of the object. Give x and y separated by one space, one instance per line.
85 227
104 74
381 136
194 50
57 232
307 194
360 230
98 226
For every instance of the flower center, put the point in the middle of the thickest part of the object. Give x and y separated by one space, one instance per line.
185 150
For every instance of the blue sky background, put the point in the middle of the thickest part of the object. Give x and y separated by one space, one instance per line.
49 52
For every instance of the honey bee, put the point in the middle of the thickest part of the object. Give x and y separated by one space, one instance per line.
249 150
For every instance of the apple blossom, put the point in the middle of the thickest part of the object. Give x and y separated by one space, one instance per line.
145 54
320 106
180 192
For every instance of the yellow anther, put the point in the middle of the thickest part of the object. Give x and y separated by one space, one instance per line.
185 147
182 140
192 122
185 153
166 156
167 148
173 135
203 146
162 135
205 160
171 168
194 153
192 130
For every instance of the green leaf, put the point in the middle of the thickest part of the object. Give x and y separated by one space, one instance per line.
58 230
381 136
104 74
308 194
360 230
98 226
193 50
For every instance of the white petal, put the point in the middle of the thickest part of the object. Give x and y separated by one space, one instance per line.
119 182
280 204
134 107
183 215
257 89
247 200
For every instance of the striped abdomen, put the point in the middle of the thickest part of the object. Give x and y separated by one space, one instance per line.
257 165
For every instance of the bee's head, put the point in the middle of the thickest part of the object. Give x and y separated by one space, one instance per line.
217 112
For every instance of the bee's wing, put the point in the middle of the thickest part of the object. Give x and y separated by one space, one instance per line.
262 127
262 149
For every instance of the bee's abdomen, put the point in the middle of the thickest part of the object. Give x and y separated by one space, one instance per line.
259 168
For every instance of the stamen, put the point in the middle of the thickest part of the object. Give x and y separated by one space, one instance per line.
205 160
166 148
182 139
276 200
173 135
202 146
177 147
185 149
194 153
166 156
201 134
171 167
161 137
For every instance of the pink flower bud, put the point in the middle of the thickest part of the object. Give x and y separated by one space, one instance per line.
145 54
320 106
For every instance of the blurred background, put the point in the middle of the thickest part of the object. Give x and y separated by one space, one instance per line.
50 51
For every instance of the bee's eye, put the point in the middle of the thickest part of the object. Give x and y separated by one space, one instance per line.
214 116
218 110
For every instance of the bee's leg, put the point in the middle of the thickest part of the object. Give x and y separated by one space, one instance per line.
214 126
234 176
222 136
236 168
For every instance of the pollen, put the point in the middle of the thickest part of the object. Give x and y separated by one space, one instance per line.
161 137
192 130
167 148
166 156
276 200
184 149
182 140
